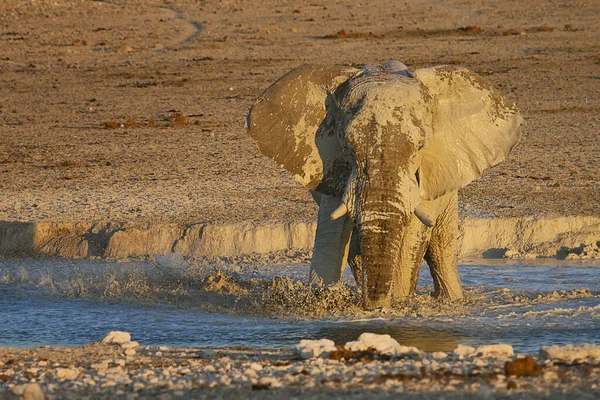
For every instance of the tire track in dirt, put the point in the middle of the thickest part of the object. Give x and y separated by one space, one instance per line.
191 28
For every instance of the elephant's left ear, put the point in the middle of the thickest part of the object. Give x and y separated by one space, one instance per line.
474 128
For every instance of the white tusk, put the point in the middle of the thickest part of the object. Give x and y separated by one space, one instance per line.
340 211
422 215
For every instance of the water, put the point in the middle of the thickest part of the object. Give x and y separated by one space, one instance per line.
52 302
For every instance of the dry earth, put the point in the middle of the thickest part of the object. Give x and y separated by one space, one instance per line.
183 73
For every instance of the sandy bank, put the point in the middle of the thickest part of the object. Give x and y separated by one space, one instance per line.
573 237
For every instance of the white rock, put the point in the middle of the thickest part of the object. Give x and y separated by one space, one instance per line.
464 351
250 373
570 352
438 355
480 362
269 381
66 373
130 352
129 345
495 350
102 365
29 391
117 337
314 348
383 344
256 366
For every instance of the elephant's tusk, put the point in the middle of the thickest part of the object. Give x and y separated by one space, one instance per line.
422 215
340 211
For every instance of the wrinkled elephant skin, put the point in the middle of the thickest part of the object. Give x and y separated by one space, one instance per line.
384 150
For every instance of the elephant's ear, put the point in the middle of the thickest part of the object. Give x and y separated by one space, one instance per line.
474 128
291 116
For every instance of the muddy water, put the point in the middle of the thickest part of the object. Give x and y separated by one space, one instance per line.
173 303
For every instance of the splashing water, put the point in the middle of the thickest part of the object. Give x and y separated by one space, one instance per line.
267 304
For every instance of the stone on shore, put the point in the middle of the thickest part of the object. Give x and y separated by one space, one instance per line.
525 366
129 345
383 344
66 373
117 337
570 352
29 391
465 351
495 350
314 348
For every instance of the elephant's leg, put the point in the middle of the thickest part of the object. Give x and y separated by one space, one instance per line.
354 257
331 242
414 244
442 251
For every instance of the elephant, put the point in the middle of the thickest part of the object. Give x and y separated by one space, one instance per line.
383 150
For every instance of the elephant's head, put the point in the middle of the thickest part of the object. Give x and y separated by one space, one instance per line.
383 139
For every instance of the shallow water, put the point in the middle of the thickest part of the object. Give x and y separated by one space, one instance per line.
511 303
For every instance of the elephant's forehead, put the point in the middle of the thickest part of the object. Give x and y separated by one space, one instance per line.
383 101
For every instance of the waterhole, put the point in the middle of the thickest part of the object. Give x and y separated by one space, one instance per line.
269 305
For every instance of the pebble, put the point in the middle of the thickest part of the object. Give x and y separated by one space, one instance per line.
65 373
130 352
314 348
29 391
495 350
117 337
464 351
256 366
130 345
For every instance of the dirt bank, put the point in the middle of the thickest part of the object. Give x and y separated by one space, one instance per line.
133 111
479 238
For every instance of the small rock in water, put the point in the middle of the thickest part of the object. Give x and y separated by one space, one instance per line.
522 367
570 352
439 355
314 348
29 391
495 350
383 344
117 337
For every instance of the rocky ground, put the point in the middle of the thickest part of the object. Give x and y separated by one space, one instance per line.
134 111
376 367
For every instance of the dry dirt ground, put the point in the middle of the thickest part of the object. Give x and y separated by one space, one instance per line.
134 110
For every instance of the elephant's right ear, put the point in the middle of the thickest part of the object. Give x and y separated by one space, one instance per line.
287 118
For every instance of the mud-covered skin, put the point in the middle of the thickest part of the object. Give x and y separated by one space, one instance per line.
390 147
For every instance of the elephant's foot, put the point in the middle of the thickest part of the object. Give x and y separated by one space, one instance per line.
447 287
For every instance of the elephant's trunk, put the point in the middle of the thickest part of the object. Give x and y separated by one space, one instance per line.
384 213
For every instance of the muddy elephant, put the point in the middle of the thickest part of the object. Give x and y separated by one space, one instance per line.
384 149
